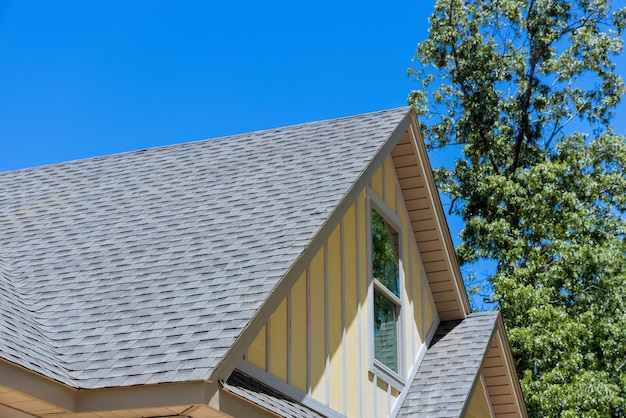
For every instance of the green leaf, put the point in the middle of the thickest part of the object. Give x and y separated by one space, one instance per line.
510 80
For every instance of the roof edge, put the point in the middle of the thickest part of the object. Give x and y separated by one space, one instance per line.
450 341
492 335
38 386
73 400
237 350
500 332
440 217
287 390
510 365
146 396
185 142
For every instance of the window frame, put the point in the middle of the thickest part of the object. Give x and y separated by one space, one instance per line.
397 379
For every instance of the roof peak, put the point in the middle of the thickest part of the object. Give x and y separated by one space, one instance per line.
212 138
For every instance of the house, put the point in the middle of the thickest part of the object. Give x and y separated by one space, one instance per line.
305 271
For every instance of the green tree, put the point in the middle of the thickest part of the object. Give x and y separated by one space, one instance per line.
527 88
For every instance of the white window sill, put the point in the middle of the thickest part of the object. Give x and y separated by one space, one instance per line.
388 375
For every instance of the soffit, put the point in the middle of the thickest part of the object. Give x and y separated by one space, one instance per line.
501 379
429 225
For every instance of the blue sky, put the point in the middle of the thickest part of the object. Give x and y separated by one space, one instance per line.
86 78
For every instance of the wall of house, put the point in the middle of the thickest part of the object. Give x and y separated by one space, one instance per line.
479 406
319 339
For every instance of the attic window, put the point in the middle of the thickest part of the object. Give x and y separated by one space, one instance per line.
387 303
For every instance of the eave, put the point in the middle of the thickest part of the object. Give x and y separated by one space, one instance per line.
24 393
429 224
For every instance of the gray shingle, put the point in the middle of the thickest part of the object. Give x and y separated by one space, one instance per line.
449 369
112 264
264 396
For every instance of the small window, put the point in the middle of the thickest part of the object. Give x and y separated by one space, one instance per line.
385 265
386 278
385 331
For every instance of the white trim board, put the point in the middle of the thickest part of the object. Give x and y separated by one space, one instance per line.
287 390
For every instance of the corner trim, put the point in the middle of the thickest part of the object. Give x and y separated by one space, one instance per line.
431 332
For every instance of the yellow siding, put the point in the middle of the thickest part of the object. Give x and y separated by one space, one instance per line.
366 392
479 404
329 350
390 184
351 301
318 329
278 342
335 315
409 305
257 351
381 398
376 183
298 334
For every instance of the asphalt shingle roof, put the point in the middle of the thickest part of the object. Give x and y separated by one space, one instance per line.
145 267
449 369
260 394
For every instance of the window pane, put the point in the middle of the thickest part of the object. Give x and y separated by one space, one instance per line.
385 339
385 254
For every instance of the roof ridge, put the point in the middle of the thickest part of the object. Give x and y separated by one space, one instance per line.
195 141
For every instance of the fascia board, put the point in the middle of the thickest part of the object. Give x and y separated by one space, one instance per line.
510 366
74 400
236 352
440 217
37 386
146 396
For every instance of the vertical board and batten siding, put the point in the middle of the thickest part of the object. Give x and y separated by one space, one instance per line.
318 341
479 405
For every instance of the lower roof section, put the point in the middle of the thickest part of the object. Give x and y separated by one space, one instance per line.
452 365
266 397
